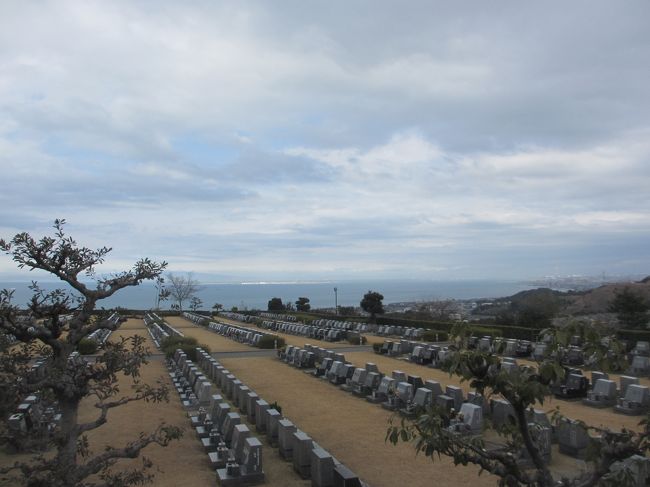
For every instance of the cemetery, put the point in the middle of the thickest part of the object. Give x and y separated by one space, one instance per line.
326 427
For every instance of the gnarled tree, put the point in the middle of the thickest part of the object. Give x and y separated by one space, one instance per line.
51 328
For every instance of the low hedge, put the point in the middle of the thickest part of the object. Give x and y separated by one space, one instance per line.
269 342
354 338
634 335
435 336
87 346
187 344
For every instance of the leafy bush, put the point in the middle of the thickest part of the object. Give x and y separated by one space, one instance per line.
269 342
186 344
633 336
353 339
376 347
435 335
87 346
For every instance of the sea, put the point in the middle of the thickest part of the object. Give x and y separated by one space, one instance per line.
255 295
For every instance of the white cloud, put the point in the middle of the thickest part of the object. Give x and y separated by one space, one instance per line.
416 141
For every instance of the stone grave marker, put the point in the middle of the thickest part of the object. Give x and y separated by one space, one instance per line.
260 417
286 429
302 446
322 468
273 418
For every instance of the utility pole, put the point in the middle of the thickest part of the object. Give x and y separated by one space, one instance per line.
336 301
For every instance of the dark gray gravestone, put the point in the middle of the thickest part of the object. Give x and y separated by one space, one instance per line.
228 427
273 417
572 438
243 396
625 381
434 387
399 376
344 477
286 429
502 413
260 417
236 385
456 393
381 394
423 398
445 402
322 468
371 367
239 435
635 402
595 375
251 399
602 395
222 411
479 400
302 447
248 470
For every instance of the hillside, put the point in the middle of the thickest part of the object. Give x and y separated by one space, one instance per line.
597 300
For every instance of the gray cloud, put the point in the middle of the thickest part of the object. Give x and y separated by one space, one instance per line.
325 139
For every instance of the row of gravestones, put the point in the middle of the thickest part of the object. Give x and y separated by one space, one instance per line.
309 331
277 316
234 453
34 418
572 355
401 331
100 335
344 325
195 318
640 359
38 416
410 396
151 317
239 316
432 356
241 334
629 398
401 392
570 434
158 334
309 460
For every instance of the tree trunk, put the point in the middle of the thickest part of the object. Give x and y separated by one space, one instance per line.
67 455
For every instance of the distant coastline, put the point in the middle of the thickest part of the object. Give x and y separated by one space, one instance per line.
255 295
251 295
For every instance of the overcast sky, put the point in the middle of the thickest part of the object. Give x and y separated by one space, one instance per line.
319 140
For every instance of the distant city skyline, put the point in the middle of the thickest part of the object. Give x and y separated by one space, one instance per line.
258 142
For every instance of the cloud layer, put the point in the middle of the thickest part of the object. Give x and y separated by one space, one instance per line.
330 141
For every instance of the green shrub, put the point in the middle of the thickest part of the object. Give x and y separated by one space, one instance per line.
376 347
435 335
276 406
186 344
86 346
353 338
633 336
269 342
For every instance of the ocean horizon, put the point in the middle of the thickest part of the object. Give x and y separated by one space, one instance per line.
255 295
